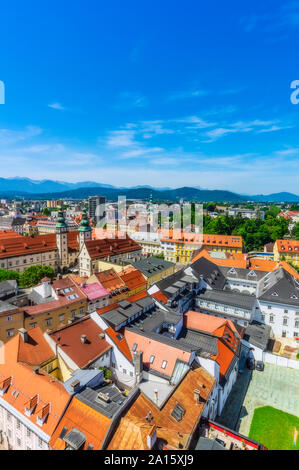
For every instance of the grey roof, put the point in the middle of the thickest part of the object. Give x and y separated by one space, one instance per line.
152 265
155 318
145 302
6 306
75 438
114 317
169 281
117 399
11 221
8 286
199 341
130 310
210 272
229 298
204 443
257 334
242 273
281 287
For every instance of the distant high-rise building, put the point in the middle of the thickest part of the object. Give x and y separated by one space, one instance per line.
96 207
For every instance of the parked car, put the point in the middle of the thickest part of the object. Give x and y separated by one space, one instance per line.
260 366
250 363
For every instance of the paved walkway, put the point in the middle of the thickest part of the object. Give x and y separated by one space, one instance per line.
230 414
276 386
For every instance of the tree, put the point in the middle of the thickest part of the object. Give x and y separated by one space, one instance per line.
34 274
6 275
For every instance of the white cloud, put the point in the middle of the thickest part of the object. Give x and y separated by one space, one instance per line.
56 106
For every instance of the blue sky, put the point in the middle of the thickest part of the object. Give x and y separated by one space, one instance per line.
166 93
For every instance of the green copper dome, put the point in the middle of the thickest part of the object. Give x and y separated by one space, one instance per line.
60 220
84 224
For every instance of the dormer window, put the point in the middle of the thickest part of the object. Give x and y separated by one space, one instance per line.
232 271
4 385
164 364
43 414
31 405
252 273
274 294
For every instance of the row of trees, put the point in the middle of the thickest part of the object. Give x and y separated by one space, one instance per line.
31 276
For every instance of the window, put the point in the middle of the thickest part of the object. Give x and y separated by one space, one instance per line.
285 322
40 442
164 364
9 318
10 332
33 325
81 310
19 442
124 371
296 323
285 311
152 358
18 424
269 308
49 321
271 319
8 416
135 347
28 433
73 312
61 317
296 334
9 433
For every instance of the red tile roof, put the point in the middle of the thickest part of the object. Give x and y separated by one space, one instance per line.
70 341
18 246
133 278
120 341
36 350
25 384
161 351
63 297
87 420
287 246
109 247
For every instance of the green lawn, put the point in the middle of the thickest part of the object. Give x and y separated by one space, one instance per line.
274 428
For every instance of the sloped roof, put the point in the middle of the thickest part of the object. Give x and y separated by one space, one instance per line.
92 424
69 340
175 433
102 248
133 278
35 351
153 347
25 384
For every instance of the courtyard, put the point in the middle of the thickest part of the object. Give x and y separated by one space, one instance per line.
276 387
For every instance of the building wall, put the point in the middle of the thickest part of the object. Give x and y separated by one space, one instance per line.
273 314
19 433
10 323
20 263
52 319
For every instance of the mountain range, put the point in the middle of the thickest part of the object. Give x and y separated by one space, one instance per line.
49 189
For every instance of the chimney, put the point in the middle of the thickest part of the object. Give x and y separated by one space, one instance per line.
24 335
46 288
151 438
197 395
156 396
83 339
75 384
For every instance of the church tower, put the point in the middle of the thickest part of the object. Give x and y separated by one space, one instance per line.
61 240
84 229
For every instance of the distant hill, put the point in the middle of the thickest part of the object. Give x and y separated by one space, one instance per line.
276 197
49 189
27 185
171 195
